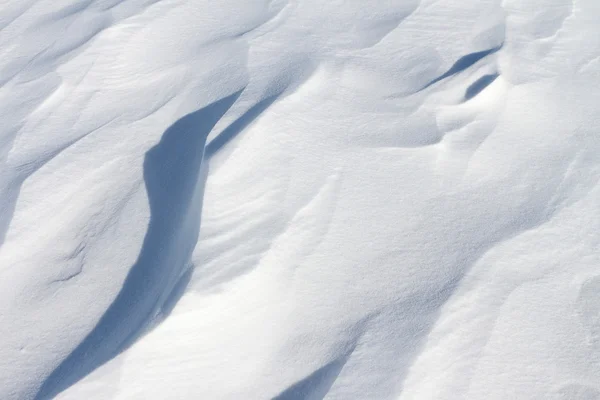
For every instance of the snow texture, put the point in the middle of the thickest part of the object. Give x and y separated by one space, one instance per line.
299 199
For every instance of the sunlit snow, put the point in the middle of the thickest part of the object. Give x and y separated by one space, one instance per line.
300 199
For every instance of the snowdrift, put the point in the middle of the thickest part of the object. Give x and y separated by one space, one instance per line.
298 199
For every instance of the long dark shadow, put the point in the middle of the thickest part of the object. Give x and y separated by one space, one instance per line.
175 185
239 125
316 385
463 63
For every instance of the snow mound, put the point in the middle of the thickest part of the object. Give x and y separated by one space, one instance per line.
283 199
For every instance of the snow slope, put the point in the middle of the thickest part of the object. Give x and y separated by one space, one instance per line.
299 199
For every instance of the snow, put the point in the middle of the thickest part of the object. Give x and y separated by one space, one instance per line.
298 199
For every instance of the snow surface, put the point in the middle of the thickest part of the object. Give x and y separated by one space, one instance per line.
300 199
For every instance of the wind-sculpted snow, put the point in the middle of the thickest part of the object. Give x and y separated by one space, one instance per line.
174 184
298 199
463 63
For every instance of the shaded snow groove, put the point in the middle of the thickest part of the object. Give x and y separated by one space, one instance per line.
174 180
479 85
463 63
316 385
238 125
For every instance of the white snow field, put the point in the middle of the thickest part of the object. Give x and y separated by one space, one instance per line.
300 199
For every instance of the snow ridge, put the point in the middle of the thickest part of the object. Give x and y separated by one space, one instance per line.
285 199
175 184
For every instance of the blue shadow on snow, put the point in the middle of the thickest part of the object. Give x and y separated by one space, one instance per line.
174 180
463 63
478 86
